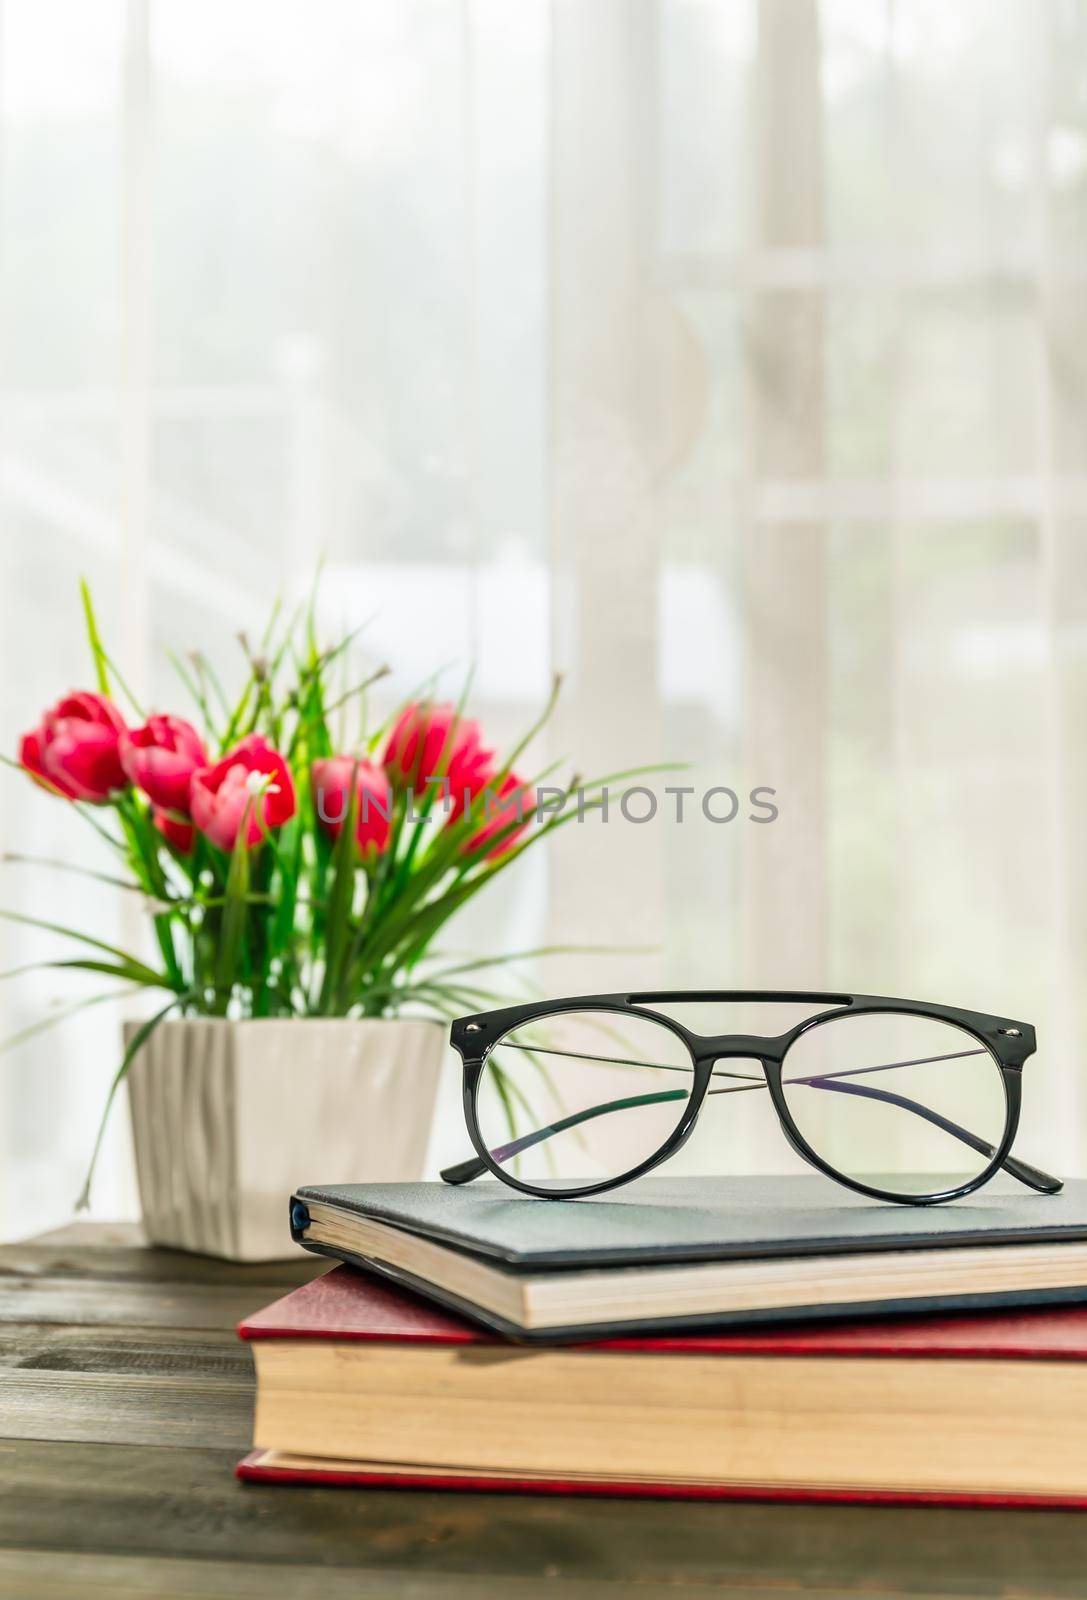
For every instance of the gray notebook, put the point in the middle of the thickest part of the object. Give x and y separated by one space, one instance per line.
680 1252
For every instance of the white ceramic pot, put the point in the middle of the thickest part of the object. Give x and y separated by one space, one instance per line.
229 1117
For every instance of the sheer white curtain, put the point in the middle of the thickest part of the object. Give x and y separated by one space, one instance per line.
727 355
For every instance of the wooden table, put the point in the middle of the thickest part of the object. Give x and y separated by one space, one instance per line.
127 1400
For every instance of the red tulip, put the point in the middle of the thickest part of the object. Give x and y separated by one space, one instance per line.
331 784
433 742
252 781
470 780
161 757
176 832
74 749
515 802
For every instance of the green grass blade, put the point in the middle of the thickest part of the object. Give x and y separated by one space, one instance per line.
61 1014
232 927
476 964
101 660
159 979
130 971
139 1038
16 858
340 900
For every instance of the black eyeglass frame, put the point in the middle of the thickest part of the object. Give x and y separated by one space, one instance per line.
1010 1043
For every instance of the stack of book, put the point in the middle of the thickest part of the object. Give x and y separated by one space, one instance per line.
637 1345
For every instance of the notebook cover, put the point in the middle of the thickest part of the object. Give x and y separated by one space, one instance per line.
671 1220
251 1470
345 1305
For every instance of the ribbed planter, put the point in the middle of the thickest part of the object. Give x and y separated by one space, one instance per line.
229 1117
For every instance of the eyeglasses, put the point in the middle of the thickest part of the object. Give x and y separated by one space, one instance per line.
574 1097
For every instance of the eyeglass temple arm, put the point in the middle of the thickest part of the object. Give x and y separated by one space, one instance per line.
465 1171
1033 1177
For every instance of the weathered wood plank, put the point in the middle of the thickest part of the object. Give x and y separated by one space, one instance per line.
198 1351
65 1257
129 1386
92 1235
96 1302
128 1408
122 1500
83 1577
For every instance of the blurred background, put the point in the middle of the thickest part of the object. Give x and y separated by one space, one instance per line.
728 356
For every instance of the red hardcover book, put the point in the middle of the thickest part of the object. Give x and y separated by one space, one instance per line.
363 1384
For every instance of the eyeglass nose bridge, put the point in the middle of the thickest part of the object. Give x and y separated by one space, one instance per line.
734 1046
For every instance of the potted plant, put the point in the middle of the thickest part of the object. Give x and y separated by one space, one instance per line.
295 882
